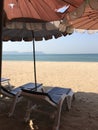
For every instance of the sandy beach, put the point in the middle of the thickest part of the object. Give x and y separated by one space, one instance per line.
82 77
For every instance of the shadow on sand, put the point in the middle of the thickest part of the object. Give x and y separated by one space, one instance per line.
82 116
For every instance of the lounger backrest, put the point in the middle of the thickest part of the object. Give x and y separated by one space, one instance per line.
39 95
6 92
54 95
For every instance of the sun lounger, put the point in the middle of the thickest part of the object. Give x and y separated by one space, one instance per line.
54 97
5 81
15 93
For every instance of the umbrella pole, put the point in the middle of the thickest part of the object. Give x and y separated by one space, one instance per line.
1 21
34 59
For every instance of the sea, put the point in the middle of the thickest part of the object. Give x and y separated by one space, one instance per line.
52 57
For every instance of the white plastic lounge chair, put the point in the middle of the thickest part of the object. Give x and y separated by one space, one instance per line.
15 93
54 97
5 81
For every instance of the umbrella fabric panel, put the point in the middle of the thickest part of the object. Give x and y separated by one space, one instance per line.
42 10
85 17
88 21
73 4
93 4
37 10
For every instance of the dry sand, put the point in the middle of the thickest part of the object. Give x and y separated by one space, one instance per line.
82 77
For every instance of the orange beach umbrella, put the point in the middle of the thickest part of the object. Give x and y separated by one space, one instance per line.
41 18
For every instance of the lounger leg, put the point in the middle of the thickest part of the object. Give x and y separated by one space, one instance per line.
57 117
15 100
69 100
28 111
9 85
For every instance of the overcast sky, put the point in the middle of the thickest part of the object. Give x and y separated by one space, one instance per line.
71 44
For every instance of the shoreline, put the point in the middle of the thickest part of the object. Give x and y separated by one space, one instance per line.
47 61
53 57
